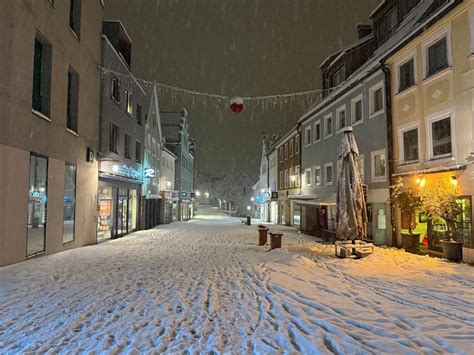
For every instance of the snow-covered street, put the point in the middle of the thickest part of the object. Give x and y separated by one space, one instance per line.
204 285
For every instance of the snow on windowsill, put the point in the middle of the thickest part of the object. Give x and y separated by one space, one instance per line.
41 115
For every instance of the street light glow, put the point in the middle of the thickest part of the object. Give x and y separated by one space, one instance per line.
198 193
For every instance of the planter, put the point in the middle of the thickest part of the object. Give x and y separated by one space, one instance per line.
411 242
275 240
262 236
452 250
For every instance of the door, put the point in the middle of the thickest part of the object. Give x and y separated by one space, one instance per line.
88 223
122 212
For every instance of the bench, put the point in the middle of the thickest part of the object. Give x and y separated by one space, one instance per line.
344 249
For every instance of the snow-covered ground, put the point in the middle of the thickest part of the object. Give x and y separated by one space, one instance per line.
204 285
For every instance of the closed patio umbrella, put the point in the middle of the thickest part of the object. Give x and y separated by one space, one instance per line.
351 213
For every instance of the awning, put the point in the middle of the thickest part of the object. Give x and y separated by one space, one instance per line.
321 200
439 169
302 197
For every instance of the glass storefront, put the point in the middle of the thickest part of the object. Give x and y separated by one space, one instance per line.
37 201
118 211
69 208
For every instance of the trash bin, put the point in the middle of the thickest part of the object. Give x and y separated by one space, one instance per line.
275 240
249 220
262 235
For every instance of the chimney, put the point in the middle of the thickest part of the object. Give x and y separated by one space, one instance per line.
363 30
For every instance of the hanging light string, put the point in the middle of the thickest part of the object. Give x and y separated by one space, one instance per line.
304 98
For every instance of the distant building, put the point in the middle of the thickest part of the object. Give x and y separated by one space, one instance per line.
174 126
49 99
122 137
170 197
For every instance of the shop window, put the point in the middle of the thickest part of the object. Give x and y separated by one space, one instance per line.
341 118
115 94
409 146
128 103
104 222
328 125
72 99
42 59
317 131
463 222
132 210
406 74
113 138
378 167
438 56
441 141
37 204
126 146
75 16
69 208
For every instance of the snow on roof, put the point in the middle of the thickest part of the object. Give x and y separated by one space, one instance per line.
379 6
415 21
337 55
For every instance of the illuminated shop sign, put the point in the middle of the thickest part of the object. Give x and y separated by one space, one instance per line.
149 173
122 170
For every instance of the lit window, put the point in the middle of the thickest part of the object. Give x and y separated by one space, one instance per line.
128 103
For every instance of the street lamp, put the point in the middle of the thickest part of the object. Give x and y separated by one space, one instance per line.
198 193
249 208
252 199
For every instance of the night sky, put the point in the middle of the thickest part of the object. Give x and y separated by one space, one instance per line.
236 48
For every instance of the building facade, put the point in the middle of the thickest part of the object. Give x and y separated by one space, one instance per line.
170 197
122 137
289 180
432 94
50 88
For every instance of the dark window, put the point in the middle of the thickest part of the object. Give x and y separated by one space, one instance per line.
328 125
339 76
407 74
357 111
75 16
378 100
342 119
410 145
406 6
116 89
126 146
138 152
113 138
386 26
317 131
41 75
297 144
72 99
308 136
437 56
139 114
441 137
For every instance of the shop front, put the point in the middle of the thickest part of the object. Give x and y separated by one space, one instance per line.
169 206
118 202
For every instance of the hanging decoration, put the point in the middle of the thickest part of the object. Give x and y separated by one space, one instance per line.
236 104
301 100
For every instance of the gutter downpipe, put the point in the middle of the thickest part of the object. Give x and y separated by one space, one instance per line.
390 160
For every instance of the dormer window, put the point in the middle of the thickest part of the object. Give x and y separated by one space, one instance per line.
339 76
386 26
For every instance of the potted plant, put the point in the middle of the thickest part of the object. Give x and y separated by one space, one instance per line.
440 201
405 194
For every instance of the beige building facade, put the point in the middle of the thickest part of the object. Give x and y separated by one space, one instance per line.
49 125
432 86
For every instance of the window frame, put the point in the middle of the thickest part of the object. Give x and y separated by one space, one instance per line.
71 118
317 124
75 202
326 117
292 147
401 148
128 103
76 30
374 154
326 182
354 101
297 144
287 179
448 114
429 42
115 136
316 175
281 182
307 142
45 77
127 139
340 109
410 56
372 90
112 94
307 177
285 151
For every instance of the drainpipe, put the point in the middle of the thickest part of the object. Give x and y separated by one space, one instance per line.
390 159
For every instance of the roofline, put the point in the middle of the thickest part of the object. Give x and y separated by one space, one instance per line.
121 25
287 135
169 152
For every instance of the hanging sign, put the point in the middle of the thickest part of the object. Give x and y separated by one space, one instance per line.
149 173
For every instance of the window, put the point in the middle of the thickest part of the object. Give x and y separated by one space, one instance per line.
286 151
307 134
317 176
409 145
75 17
72 99
339 76
292 147
438 56
341 118
406 72
376 99
281 180
113 138
386 26
69 207
42 59
298 176
139 115
356 109
440 138
287 178
307 177
126 146
406 6
328 178
154 146
128 103
297 144
378 165
292 178
138 152
328 125
115 89
280 153
37 205
317 131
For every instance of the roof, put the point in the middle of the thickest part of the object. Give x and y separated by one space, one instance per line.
410 26
285 137
332 58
